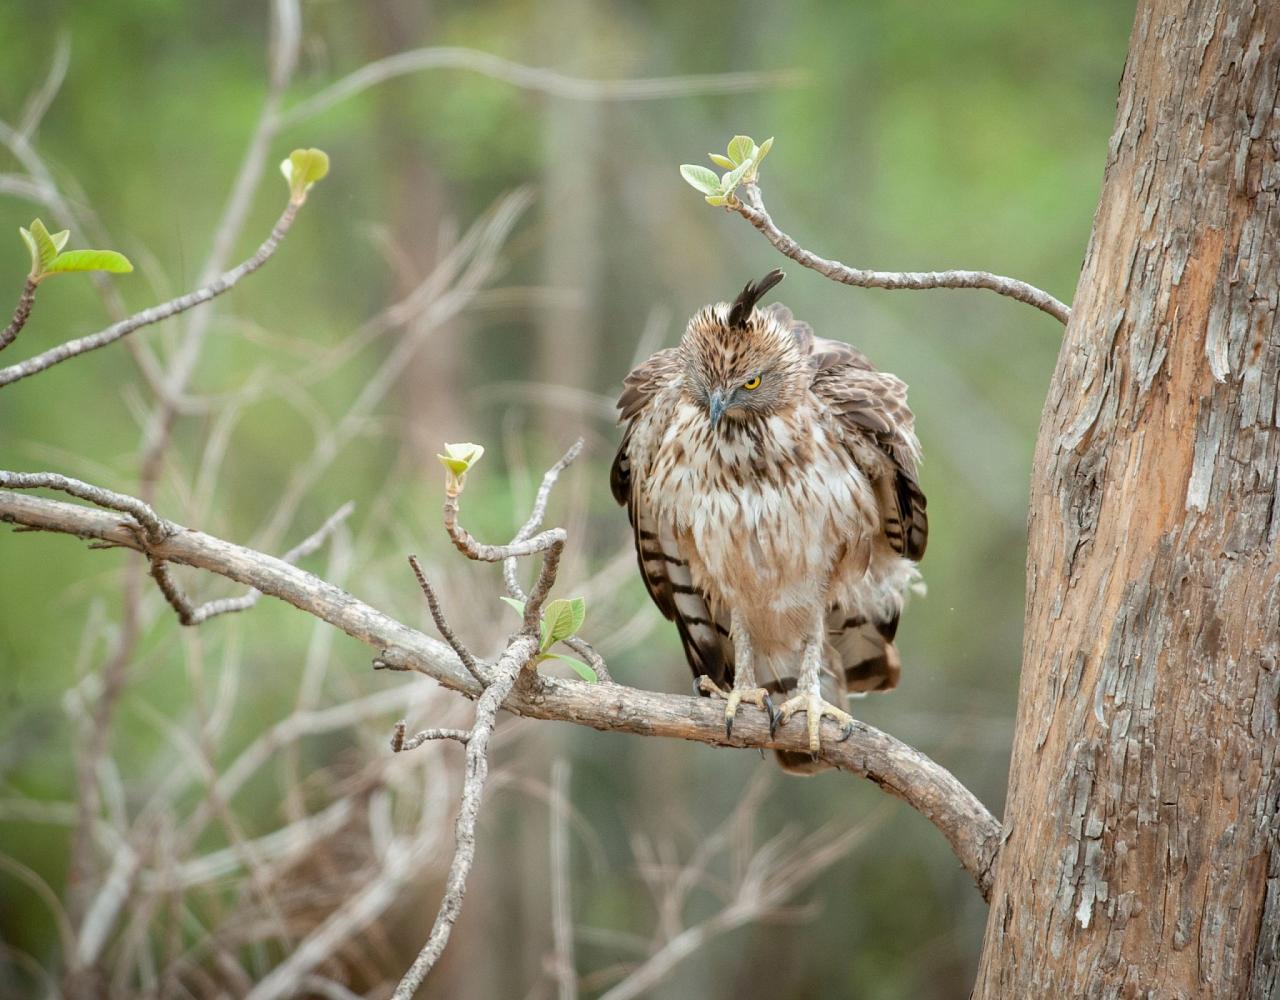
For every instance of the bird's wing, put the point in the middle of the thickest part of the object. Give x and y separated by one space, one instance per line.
665 573
872 405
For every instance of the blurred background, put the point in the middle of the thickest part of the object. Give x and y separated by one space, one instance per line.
487 259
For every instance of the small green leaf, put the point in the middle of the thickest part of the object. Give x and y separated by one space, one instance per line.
89 260
302 169
46 259
731 179
763 151
721 161
30 241
45 244
717 199
458 458
518 605
702 178
741 148
580 668
561 620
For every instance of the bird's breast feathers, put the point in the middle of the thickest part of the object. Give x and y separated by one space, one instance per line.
755 506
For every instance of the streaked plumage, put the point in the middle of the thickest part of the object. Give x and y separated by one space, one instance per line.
782 538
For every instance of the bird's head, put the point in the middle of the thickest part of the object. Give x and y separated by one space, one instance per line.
741 363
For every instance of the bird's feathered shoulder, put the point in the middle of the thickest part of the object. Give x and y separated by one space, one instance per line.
638 388
872 405
645 380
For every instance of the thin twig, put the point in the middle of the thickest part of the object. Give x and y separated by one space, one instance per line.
550 542
511 563
561 905
400 743
155 528
20 314
190 614
38 103
443 627
156 314
470 547
751 207
513 661
534 78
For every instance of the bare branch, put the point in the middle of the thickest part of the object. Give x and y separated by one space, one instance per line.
510 564
510 666
399 744
38 103
189 614
534 78
442 626
154 527
751 207
973 833
156 314
467 544
561 906
21 314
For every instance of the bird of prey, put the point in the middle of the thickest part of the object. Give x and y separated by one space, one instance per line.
770 479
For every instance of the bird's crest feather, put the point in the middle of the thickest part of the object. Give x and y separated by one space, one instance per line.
745 303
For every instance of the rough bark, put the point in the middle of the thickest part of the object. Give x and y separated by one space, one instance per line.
1142 825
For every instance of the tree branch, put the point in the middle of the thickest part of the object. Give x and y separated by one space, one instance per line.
20 314
563 967
973 833
442 626
155 527
190 614
156 314
533 78
751 207
509 668
509 565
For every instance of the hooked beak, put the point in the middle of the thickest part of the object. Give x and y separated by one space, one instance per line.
715 407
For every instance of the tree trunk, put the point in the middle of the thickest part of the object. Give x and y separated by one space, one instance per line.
1142 855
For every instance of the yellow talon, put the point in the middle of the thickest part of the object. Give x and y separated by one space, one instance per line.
815 708
734 698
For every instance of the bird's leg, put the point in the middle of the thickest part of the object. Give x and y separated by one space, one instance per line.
808 696
745 686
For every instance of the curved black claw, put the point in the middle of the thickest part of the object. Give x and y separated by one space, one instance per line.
773 716
728 727
845 732
697 687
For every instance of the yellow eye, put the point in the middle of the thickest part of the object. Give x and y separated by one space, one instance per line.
752 383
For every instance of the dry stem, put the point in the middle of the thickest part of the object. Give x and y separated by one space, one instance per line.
156 314
751 207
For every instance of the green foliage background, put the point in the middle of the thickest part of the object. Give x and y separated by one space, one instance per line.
926 135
